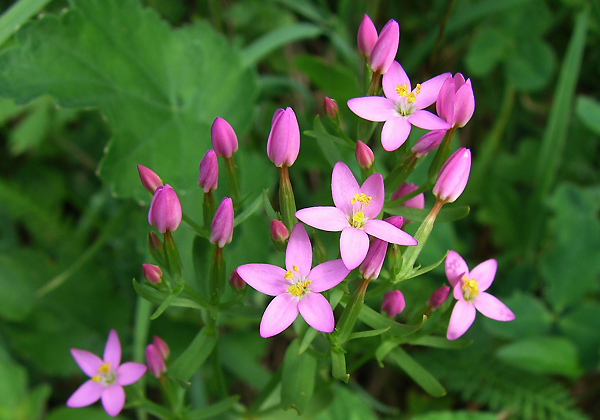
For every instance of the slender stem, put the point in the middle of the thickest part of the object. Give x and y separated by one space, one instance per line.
351 311
219 377
196 296
141 326
440 35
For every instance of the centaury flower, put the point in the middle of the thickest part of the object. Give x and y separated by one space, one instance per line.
107 377
354 214
296 288
470 291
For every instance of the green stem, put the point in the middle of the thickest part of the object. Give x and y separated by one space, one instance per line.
351 311
209 206
287 202
143 311
197 297
200 231
219 377
233 183
440 157
440 35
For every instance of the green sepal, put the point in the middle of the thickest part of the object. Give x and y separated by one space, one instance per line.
297 378
209 206
338 364
233 183
216 285
174 265
287 202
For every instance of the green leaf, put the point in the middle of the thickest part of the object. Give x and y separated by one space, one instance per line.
456 415
194 356
582 325
486 50
67 413
297 378
326 142
446 214
18 14
249 211
308 338
420 271
168 301
413 369
159 89
156 296
338 364
268 207
336 81
377 321
369 333
213 409
550 355
440 342
530 64
588 112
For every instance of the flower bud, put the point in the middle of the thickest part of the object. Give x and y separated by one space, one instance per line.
156 364
453 176
367 36
221 228
456 101
371 266
149 179
223 138
385 49
397 221
330 107
209 171
428 142
438 297
417 202
236 281
152 273
364 155
279 232
161 347
165 209
393 303
283 144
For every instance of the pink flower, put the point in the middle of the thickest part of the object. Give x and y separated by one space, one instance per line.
364 155
417 202
223 138
385 49
152 273
165 209
283 144
401 107
296 289
453 176
367 36
221 228
108 377
393 303
354 214
149 179
469 290
456 102
208 177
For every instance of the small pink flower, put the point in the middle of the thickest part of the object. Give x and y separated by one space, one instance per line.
417 202
208 178
149 179
385 49
283 144
456 102
364 155
393 303
401 107
367 36
469 290
354 214
297 288
221 228
453 176
223 138
165 209
152 273
108 377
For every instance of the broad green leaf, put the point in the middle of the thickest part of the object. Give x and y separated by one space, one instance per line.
308 338
534 318
18 294
297 378
213 409
184 367
486 50
17 15
446 214
336 81
582 325
588 112
413 369
240 354
530 64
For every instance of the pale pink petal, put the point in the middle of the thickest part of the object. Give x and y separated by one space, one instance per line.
316 311
373 187
445 95
457 291
113 400
461 319
428 142
330 219
429 90
88 362
265 278
388 232
112 350
279 315
343 187
464 104
491 307
354 245
373 108
299 251
456 267
88 393
428 121
129 373
394 133
327 275
484 274
392 78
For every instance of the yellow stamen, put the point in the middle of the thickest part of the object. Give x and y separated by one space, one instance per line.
402 90
298 288
288 275
104 368
295 267
362 198
411 97
358 217
470 288
96 378
418 89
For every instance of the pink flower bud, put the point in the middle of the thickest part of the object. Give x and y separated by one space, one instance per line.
221 228
367 36
453 176
236 281
428 142
152 273
149 179
364 155
438 297
165 209
155 362
283 144
417 202
371 266
279 232
397 221
330 107
385 49
161 347
456 101
393 303
209 171
223 138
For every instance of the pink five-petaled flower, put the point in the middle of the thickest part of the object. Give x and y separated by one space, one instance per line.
296 289
401 107
107 377
469 290
354 215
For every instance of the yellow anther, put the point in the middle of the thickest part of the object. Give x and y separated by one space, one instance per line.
362 198
295 267
411 97
104 368
298 288
402 90
418 89
470 288
288 275
358 217
96 378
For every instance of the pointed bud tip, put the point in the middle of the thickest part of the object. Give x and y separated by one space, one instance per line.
149 179
224 140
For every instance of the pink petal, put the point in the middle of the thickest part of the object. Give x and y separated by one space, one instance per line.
299 251
464 104
373 187
113 400
392 78
446 94
265 278
491 307
330 219
354 245
327 275
388 233
429 90
394 133
461 319
428 121
373 108
129 373
316 311
279 315
88 362
112 350
88 393
459 80
343 187
428 142
456 267
484 273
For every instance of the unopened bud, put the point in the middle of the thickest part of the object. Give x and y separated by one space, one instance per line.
330 108
393 303
156 364
236 281
456 102
438 297
279 232
283 144
165 209
149 179
428 142
223 138
152 273
162 347
453 176
208 178
364 155
367 36
417 202
221 228
385 49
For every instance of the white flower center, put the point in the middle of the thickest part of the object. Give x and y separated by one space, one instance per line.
405 106
106 375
